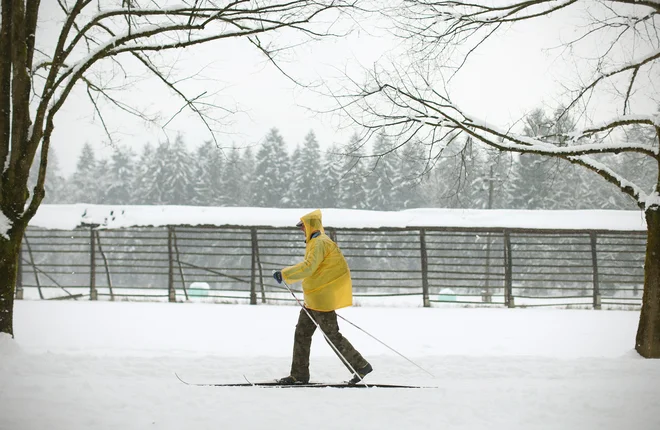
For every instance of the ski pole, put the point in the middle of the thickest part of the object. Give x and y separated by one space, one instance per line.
368 334
336 350
384 344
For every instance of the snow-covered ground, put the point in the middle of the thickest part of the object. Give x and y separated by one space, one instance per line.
103 365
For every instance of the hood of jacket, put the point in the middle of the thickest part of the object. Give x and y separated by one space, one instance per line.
312 222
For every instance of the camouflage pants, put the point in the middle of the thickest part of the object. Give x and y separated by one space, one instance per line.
302 342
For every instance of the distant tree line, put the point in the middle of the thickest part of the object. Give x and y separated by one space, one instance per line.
372 175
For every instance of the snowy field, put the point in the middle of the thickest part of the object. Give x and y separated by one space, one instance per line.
102 365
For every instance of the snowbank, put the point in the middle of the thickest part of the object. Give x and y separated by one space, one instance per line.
68 217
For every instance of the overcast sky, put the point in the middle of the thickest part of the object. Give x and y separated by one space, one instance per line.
509 75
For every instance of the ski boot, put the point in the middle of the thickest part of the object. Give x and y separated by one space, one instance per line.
361 373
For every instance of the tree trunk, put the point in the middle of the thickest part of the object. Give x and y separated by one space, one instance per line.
9 254
648 332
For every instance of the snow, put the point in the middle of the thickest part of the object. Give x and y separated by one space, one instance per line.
623 119
68 217
5 225
653 200
103 365
638 194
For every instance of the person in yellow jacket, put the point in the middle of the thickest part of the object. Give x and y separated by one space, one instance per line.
327 286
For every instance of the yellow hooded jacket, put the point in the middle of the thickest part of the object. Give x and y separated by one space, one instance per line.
326 279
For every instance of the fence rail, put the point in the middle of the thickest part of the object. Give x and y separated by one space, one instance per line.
418 266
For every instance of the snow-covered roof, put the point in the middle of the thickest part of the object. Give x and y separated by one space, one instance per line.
68 217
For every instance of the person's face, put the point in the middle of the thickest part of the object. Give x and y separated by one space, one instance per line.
302 228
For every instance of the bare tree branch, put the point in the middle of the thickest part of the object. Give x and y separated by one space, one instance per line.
402 95
97 110
120 44
136 29
626 100
647 59
397 108
190 102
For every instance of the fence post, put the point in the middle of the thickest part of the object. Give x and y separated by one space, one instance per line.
260 267
34 265
178 263
253 272
93 292
594 262
486 294
333 235
170 255
508 271
19 276
425 268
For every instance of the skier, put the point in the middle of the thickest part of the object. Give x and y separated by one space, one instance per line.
326 283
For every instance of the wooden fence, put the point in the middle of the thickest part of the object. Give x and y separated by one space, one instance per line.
394 266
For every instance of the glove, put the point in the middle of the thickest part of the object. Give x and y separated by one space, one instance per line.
277 274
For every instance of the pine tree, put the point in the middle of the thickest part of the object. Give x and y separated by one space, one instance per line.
169 175
294 196
501 184
235 193
247 172
533 187
55 184
121 177
331 178
271 179
453 181
83 181
481 178
306 170
208 189
202 194
153 175
547 183
412 173
103 181
353 184
141 181
383 182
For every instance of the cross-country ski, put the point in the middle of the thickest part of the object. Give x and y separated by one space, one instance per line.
275 384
